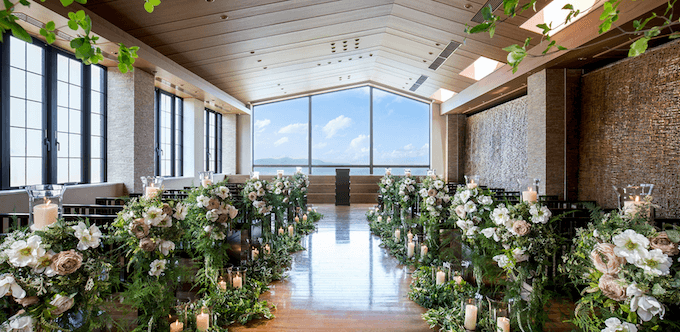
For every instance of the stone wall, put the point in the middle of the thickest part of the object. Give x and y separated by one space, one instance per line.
496 144
630 128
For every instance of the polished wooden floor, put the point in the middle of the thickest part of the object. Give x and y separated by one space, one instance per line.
344 281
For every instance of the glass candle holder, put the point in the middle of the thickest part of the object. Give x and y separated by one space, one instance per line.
440 275
298 170
44 204
423 250
207 178
432 173
631 196
500 315
152 186
238 277
203 319
470 308
254 252
412 245
256 175
279 173
397 234
407 172
471 181
529 189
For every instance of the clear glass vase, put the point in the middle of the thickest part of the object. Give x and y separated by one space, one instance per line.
528 187
44 204
471 181
207 178
632 195
152 186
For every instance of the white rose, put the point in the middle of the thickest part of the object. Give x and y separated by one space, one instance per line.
613 324
8 285
502 260
157 267
647 307
212 215
165 247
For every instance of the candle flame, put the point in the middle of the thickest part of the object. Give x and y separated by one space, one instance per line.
530 189
47 201
637 198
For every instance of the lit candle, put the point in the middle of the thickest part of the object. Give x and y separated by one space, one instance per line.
410 249
503 324
238 281
440 277
202 321
309 209
297 219
255 253
409 236
530 195
280 230
407 172
389 219
45 214
291 230
379 218
279 174
267 249
298 170
304 217
222 284
206 182
177 326
388 172
470 317
631 206
397 235
458 279
472 184
256 175
423 251
151 191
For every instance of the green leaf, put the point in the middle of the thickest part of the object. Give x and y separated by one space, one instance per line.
81 1
80 14
50 26
76 43
561 48
673 234
51 38
552 43
155 2
674 35
486 13
568 6
73 25
25 3
19 32
479 28
638 47
509 7
639 26
122 68
66 2
149 7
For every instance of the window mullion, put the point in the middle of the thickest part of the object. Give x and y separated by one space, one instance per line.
50 117
172 136
4 116
157 125
86 123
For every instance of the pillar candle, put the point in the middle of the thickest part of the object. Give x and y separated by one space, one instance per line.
441 277
379 218
256 175
472 184
407 173
397 235
280 230
458 279
388 172
291 230
309 209
45 214
409 236
279 174
238 281
423 251
297 219
222 284
304 217
631 206
267 249
202 321
206 182
298 170
151 192
177 326
470 322
389 219
410 249
255 253
530 195
503 324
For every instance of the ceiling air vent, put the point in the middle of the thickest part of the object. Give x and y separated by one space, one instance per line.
445 54
479 18
418 83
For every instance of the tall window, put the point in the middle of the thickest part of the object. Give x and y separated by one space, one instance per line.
213 141
364 129
49 108
169 134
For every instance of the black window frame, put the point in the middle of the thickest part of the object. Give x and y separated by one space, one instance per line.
176 136
217 160
50 116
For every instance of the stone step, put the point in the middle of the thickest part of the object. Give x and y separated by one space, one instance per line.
364 188
363 198
323 198
321 188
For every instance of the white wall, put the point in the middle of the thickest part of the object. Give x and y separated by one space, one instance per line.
244 148
229 141
438 141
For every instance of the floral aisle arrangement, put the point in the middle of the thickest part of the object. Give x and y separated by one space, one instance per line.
281 190
148 231
435 199
470 207
257 196
519 239
407 193
388 189
629 274
298 196
54 279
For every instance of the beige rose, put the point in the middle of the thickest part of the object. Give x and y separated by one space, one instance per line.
521 227
252 196
432 192
167 209
66 262
605 260
62 304
147 244
663 243
139 228
222 218
233 212
26 301
612 288
213 203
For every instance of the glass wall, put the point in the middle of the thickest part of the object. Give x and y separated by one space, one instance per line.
342 135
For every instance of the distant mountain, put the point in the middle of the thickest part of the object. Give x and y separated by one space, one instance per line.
288 161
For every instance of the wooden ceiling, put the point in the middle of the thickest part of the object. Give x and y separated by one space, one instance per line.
268 49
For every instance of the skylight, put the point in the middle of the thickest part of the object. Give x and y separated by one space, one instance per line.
481 68
442 95
554 13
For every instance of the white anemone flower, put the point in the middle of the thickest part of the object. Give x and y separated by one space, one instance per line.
500 215
539 216
181 211
88 237
202 201
223 192
154 216
460 211
613 324
165 247
485 200
465 224
8 285
212 215
647 307
502 260
519 255
157 267
491 232
470 207
464 196
630 245
20 322
655 262
25 253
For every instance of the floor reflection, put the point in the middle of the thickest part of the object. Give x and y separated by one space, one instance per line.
344 281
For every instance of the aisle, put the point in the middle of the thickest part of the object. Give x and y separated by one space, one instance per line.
343 282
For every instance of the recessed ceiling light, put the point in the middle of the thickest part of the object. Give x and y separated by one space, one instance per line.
339 60
361 57
259 60
333 51
264 68
468 6
344 42
209 0
582 59
224 17
437 44
332 48
424 60
356 47
332 44
350 59
318 64
278 84
281 88
329 62
370 54
356 39
252 52
430 53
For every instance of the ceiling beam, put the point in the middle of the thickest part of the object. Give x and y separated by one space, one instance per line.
163 64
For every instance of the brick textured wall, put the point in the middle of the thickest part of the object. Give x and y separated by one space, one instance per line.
630 128
496 144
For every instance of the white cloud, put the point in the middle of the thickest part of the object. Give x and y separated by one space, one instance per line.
359 142
281 141
295 128
320 145
260 124
335 125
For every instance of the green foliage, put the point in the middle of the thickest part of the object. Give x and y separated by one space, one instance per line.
126 57
150 5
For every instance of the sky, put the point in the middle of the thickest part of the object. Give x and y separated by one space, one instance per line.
341 129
